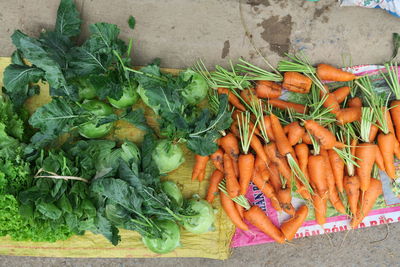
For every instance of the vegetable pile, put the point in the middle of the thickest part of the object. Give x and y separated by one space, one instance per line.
63 171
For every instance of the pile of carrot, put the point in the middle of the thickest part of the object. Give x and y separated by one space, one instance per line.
328 149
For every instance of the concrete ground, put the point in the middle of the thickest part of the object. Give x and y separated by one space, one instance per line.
179 31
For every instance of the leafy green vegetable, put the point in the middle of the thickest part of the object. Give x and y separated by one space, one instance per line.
167 156
173 192
197 89
131 22
169 240
68 22
204 219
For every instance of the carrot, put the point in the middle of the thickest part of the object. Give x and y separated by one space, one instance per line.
246 166
249 96
329 73
302 190
240 210
281 104
296 82
306 139
352 188
217 159
365 154
386 143
230 145
373 192
347 115
268 128
331 102
319 209
262 168
353 147
341 93
332 192
317 172
255 144
285 199
389 121
397 149
232 184
199 167
395 114
354 102
268 89
302 153
324 137
283 166
216 178
373 132
266 188
337 165
257 217
234 100
290 227
282 142
202 175
379 159
230 209
274 178
295 132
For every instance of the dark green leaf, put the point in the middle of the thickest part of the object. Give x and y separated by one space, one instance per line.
49 210
131 22
107 85
64 204
17 79
68 22
137 118
57 47
17 58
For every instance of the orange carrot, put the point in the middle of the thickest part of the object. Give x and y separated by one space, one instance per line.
240 210
296 82
370 196
202 175
302 153
337 165
395 114
268 89
262 168
216 178
217 159
274 178
257 217
246 166
302 190
230 145
341 93
347 115
330 102
255 144
199 167
282 142
273 155
268 128
249 96
295 132
354 102
353 147
281 104
329 73
386 143
373 132
234 100
352 188
317 172
379 159
332 192
285 199
306 139
266 188
323 136
290 227
229 207
232 184
365 154
319 209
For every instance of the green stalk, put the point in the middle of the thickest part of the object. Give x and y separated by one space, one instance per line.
367 116
257 73
298 173
392 78
241 200
244 131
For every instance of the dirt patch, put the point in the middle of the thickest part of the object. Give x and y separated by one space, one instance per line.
319 11
258 2
225 50
277 33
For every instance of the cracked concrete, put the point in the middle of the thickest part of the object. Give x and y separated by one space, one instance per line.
180 31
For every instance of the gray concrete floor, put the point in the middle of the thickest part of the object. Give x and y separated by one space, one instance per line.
179 31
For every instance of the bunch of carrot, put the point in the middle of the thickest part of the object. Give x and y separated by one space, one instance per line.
328 149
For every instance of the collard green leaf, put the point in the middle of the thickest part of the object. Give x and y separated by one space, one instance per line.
49 210
17 58
68 22
203 145
137 118
17 79
57 47
107 85
37 55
